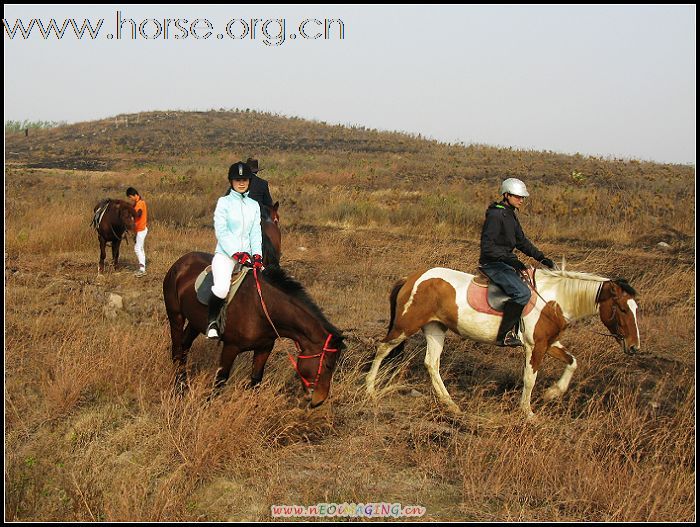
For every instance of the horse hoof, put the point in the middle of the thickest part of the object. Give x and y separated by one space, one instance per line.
453 408
552 393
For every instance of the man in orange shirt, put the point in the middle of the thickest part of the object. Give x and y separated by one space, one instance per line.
141 228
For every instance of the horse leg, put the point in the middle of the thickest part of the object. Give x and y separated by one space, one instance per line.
190 335
533 361
393 339
435 335
228 355
179 352
115 253
103 255
260 356
558 389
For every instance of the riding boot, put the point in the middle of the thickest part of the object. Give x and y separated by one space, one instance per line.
508 331
215 304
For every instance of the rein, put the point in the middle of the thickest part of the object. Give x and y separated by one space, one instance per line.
123 236
295 364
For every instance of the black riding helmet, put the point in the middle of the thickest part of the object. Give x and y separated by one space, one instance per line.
239 170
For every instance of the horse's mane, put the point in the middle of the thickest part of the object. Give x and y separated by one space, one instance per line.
622 282
626 287
119 203
572 274
580 288
278 277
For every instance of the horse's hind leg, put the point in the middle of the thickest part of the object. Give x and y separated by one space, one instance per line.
435 335
178 352
558 389
391 341
103 255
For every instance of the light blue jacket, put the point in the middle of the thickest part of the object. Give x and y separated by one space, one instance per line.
237 225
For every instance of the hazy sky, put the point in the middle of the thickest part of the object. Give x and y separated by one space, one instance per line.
609 81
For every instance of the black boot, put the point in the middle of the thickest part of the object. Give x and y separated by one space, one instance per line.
508 331
215 304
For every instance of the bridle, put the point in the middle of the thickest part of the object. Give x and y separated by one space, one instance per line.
311 386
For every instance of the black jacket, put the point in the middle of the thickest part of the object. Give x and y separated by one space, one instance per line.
502 233
260 191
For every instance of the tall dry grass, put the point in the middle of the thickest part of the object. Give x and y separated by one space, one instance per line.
94 432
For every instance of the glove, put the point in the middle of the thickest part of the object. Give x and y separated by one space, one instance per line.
547 263
515 263
241 258
258 262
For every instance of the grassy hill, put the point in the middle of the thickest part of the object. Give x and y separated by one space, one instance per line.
94 433
167 136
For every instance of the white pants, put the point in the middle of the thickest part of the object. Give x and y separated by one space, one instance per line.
222 268
138 248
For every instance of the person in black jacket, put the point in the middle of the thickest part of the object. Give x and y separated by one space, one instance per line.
501 234
259 189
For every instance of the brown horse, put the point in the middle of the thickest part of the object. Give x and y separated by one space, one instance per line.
290 309
112 225
272 236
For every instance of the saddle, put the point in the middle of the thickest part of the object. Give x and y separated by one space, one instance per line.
100 212
485 296
203 283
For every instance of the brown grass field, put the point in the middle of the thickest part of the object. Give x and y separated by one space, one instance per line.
93 431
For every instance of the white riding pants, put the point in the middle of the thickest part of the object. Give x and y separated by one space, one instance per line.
138 248
222 267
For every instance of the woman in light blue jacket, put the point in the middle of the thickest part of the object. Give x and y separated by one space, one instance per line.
238 235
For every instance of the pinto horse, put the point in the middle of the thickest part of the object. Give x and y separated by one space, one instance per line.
112 219
436 300
287 311
272 236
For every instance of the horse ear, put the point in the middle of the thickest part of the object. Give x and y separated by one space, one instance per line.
614 289
276 206
563 262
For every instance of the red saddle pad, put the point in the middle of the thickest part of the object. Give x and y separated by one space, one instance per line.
477 296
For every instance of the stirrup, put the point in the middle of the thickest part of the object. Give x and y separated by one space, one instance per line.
213 331
511 340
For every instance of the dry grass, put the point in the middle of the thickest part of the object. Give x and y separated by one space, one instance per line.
93 431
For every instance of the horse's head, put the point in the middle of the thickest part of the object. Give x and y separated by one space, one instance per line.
316 370
127 216
272 236
618 311
274 213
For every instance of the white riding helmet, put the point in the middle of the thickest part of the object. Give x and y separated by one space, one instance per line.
514 186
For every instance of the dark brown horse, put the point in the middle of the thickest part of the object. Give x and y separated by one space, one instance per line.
290 309
111 226
272 236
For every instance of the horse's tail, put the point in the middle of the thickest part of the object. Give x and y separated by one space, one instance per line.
398 350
